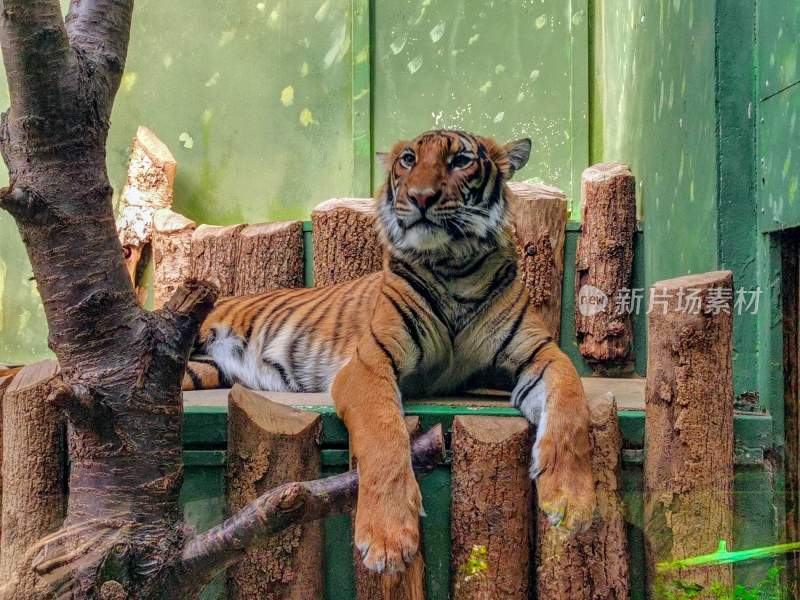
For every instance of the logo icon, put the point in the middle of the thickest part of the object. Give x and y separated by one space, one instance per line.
591 300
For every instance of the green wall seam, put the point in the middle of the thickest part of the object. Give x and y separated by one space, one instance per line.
579 100
362 97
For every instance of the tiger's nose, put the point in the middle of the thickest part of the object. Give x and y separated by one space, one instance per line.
423 199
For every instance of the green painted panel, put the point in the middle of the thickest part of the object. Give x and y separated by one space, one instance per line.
654 72
500 68
778 51
779 160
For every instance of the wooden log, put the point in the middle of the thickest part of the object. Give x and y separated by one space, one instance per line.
540 221
172 254
594 564
151 175
409 585
34 472
491 508
346 243
688 473
270 256
215 250
604 261
268 445
5 381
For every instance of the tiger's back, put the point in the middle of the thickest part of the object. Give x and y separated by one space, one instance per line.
287 340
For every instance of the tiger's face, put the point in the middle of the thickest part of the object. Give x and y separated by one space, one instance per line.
444 192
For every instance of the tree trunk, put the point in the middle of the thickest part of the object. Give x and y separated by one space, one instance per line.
151 175
688 472
270 256
594 564
34 470
270 444
540 220
491 508
409 585
172 253
346 243
603 263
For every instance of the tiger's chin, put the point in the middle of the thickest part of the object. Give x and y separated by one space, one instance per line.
424 238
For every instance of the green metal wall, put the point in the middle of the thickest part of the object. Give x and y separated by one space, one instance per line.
654 108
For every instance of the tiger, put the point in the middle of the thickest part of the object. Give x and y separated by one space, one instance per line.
446 313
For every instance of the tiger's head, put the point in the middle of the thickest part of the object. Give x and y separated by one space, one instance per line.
445 193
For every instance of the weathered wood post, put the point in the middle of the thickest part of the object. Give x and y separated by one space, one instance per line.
491 508
346 244
151 175
540 218
270 256
34 472
270 444
604 261
409 585
594 564
688 501
215 250
172 253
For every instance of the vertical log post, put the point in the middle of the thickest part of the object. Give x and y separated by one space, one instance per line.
604 261
270 256
688 473
491 508
270 444
151 175
33 464
346 244
5 381
409 585
172 254
594 564
215 250
540 220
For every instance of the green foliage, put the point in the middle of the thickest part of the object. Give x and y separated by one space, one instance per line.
768 589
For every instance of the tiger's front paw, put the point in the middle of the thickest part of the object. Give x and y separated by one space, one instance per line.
565 489
387 521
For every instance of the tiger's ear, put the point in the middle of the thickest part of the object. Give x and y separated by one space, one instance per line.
384 160
518 154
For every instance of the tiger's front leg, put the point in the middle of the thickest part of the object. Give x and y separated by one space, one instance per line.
367 399
549 393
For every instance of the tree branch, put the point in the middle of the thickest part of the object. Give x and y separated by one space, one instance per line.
36 54
100 30
186 310
208 554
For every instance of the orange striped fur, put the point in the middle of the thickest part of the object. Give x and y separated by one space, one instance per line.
446 313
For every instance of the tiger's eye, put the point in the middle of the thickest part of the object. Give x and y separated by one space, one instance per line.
407 159
460 161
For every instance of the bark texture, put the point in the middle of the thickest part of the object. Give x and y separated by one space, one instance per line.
688 472
604 260
151 175
172 253
270 444
215 250
491 508
270 256
540 221
409 585
34 469
5 381
300 502
346 243
594 564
